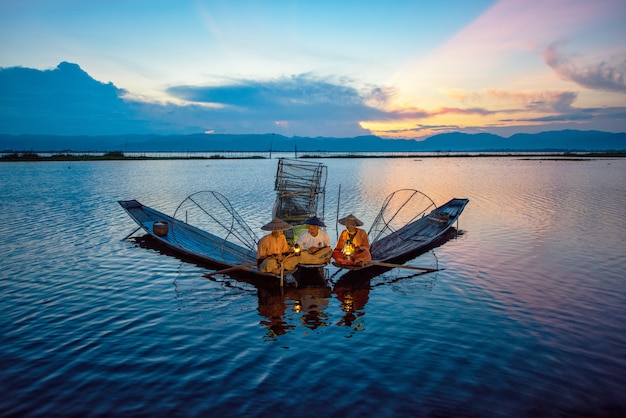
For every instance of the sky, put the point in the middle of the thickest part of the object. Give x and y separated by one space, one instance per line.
395 69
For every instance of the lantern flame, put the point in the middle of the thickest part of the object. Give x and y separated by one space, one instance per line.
348 249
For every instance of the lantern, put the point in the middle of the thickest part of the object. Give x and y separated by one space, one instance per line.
348 249
297 249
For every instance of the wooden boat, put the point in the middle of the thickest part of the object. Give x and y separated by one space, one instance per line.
408 224
202 246
208 229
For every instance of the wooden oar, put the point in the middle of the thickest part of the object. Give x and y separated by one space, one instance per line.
282 269
228 270
399 266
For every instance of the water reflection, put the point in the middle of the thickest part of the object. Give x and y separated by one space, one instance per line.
353 295
310 306
306 306
307 300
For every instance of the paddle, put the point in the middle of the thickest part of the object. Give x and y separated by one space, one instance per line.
282 269
242 266
399 266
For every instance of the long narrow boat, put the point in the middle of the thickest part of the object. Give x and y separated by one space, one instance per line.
199 244
208 229
408 224
415 236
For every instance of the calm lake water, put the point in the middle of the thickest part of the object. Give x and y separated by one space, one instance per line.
527 318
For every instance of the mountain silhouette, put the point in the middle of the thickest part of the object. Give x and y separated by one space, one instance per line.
567 141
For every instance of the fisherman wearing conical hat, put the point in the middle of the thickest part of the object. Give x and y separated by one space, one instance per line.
353 246
273 250
314 243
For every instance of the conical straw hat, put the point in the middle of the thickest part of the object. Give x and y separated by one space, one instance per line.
314 220
350 220
276 225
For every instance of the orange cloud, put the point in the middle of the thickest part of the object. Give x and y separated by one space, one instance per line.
493 72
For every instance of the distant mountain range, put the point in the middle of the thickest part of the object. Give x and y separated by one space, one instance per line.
568 140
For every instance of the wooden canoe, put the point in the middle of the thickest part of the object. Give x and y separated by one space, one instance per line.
197 244
414 238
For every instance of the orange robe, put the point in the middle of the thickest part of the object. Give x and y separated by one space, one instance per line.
362 247
269 254
270 245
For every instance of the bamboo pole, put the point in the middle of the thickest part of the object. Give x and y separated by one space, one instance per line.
400 266
228 270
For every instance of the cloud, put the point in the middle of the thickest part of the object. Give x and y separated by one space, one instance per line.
304 104
560 118
522 101
423 128
61 100
300 89
413 113
547 106
67 101
402 114
603 115
605 75
506 112
299 97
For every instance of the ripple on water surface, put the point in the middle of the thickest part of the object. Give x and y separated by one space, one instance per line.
525 319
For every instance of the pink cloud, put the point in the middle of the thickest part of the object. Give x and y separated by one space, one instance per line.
605 75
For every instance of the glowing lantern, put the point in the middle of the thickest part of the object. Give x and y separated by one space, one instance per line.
348 249
297 249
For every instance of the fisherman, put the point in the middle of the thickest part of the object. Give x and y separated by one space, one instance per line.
353 246
314 243
273 252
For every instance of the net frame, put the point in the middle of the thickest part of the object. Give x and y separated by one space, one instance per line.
212 212
399 209
300 190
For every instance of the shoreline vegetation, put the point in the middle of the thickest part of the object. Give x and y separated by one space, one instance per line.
30 156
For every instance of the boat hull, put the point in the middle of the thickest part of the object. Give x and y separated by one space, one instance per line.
413 239
199 246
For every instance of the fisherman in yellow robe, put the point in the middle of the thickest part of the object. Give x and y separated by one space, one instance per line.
273 252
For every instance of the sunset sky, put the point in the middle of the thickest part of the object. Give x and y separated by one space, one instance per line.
401 69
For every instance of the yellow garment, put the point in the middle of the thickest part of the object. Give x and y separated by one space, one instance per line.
269 254
272 265
320 256
361 243
272 245
360 239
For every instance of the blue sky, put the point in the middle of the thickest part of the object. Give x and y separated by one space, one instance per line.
398 69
